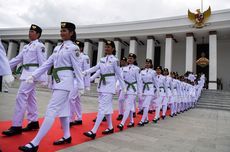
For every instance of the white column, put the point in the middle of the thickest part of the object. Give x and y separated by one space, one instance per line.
133 45
101 49
48 48
12 49
168 51
212 60
117 42
88 49
59 42
189 60
22 44
150 48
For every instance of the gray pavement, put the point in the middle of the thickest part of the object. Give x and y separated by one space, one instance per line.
198 130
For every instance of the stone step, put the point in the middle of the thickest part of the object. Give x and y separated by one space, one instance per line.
219 103
213 107
214 104
213 100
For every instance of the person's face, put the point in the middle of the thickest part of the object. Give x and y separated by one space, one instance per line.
123 63
33 35
158 71
109 49
148 65
65 34
172 75
131 60
165 73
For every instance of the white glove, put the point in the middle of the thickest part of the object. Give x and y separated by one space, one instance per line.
30 79
81 92
87 88
84 73
8 79
124 90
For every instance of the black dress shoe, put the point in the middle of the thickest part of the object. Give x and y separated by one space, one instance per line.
63 141
140 112
12 131
150 111
34 125
134 115
146 122
130 125
120 116
163 117
171 115
141 124
107 131
90 134
120 126
75 123
156 120
104 119
27 149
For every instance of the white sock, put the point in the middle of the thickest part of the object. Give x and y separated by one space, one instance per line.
145 114
126 114
164 110
158 109
109 121
98 122
46 125
131 117
65 126
172 108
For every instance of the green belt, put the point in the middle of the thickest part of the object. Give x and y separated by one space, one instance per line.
146 85
55 70
26 66
102 79
131 85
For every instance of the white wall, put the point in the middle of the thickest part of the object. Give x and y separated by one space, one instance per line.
223 62
178 57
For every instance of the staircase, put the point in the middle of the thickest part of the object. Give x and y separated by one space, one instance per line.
213 99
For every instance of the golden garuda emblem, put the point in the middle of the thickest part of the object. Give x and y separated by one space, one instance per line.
199 18
202 61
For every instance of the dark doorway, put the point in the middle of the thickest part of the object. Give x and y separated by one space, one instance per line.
203 48
157 56
94 60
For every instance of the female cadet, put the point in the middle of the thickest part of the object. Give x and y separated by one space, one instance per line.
109 73
64 61
131 77
149 89
174 98
160 97
167 99
121 108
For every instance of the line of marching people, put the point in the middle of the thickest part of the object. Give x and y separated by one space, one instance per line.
70 76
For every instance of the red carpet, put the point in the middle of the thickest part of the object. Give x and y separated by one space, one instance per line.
10 144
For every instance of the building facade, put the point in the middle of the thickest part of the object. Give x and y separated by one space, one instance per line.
171 42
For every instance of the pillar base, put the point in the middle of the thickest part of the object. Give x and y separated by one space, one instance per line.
212 86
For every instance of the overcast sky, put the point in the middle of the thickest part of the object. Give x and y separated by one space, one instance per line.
49 13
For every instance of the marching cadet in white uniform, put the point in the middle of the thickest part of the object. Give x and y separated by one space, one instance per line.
64 61
162 93
132 81
32 56
150 89
75 99
121 106
167 99
175 90
109 72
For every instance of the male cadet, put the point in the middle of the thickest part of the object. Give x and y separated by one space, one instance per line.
75 99
31 57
